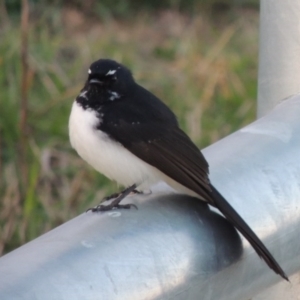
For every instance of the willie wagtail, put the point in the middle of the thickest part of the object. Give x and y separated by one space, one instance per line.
132 137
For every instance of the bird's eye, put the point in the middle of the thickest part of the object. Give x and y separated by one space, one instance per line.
110 77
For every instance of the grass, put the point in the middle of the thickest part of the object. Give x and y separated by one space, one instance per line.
204 69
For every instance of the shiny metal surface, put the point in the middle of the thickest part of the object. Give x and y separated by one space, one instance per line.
279 70
282 291
173 246
279 54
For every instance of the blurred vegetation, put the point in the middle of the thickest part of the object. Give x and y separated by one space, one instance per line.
128 8
203 65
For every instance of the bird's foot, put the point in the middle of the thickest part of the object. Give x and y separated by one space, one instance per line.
115 204
116 195
112 196
111 207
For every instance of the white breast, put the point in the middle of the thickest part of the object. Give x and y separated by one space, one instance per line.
105 155
111 158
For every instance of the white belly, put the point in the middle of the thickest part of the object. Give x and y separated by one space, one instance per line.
111 158
105 155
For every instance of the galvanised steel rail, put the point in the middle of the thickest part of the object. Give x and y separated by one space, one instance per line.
279 52
278 78
173 246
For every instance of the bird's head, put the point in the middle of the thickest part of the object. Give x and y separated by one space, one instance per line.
107 81
108 73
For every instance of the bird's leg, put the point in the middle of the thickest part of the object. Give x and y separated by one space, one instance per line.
115 195
115 203
112 196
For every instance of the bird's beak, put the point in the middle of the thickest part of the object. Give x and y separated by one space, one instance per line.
95 81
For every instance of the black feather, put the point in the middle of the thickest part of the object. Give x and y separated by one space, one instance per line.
228 211
148 128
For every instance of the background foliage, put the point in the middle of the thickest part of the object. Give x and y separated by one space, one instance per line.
200 59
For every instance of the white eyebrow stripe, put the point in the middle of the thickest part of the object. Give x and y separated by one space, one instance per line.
110 72
89 71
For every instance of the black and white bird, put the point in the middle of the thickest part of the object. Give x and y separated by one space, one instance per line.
132 137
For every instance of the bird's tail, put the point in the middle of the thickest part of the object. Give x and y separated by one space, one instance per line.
228 211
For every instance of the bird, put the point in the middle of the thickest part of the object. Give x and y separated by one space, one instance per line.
128 134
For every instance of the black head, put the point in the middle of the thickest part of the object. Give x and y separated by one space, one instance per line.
109 73
107 81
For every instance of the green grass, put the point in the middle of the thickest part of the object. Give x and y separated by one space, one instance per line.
204 69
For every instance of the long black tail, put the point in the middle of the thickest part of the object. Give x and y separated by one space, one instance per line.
228 211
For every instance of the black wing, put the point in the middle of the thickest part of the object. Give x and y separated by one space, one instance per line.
167 148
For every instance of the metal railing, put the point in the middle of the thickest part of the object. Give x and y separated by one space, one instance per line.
279 54
279 73
173 246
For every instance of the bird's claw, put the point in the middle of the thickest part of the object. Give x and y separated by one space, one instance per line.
112 196
111 207
116 195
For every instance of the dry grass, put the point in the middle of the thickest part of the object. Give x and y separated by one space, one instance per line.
204 69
